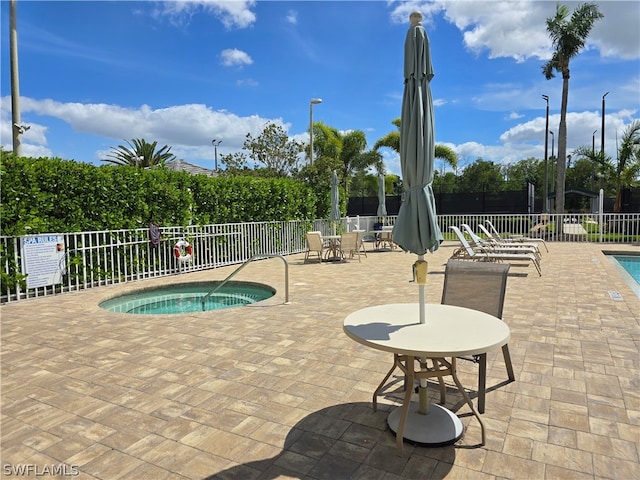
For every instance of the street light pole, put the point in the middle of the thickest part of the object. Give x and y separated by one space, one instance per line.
602 132
552 159
16 129
312 102
215 149
545 202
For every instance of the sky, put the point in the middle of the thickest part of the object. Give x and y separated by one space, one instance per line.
94 75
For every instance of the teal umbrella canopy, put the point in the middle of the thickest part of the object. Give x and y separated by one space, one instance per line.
416 229
382 207
334 215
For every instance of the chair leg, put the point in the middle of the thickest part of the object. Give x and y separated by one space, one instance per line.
507 362
482 381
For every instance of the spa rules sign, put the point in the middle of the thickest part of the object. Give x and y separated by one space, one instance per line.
43 259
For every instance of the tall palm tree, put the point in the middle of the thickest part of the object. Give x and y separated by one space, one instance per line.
392 140
569 36
139 153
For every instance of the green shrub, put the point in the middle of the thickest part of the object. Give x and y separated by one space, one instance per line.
42 195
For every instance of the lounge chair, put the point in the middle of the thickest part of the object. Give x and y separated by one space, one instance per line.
479 286
467 252
503 242
502 247
518 238
315 244
349 246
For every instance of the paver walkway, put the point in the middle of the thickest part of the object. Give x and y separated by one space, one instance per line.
278 391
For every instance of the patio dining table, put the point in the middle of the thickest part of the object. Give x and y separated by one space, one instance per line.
448 331
333 248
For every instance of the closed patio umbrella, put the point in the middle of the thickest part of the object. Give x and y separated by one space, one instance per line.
416 229
334 214
382 207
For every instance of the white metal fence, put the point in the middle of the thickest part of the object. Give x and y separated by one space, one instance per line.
94 259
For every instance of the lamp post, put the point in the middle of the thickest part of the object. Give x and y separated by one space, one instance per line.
545 203
602 131
215 144
554 166
312 102
593 154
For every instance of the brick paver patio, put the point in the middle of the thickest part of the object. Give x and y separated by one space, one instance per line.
276 391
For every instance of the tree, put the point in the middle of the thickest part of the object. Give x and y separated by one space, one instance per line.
274 150
481 176
628 167
568 37
345 152
140 154
392 140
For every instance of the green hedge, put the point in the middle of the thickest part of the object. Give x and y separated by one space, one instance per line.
41 195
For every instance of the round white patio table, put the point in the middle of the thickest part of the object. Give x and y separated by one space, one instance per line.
448 331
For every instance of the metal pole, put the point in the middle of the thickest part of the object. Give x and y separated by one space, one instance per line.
312 102
602 132
215 149
16 126
545 202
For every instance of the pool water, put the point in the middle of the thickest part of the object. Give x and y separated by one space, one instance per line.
187 298
631 263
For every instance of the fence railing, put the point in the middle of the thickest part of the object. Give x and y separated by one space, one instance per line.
94 259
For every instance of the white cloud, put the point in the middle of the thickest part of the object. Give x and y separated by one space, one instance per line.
517 29
188 129
233 56
236 13
292 17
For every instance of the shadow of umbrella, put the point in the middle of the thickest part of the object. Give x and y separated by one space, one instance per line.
338 443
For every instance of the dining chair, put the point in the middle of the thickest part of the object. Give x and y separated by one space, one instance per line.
349 245
315 244
479 286
361 247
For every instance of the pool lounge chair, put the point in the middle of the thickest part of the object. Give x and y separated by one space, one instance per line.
467 252
503 248
507 241
518 238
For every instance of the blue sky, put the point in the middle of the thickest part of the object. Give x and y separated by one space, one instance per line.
94 74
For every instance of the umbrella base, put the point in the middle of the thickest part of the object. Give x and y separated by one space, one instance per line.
438 428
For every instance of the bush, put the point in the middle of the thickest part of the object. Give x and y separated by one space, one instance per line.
43 195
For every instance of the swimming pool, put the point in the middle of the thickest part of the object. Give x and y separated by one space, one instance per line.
628 265
187 298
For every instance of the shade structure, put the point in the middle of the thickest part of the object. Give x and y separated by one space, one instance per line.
416 229
334 214
382 207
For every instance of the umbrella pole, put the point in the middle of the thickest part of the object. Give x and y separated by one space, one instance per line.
420 269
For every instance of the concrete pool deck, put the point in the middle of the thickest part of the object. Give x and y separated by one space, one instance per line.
276 391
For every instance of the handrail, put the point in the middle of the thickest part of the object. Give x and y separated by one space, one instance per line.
255 257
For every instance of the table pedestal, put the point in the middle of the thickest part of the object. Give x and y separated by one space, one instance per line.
437 428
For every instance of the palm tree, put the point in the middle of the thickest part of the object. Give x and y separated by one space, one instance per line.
569 36
139 153
392 140
628 168
346 152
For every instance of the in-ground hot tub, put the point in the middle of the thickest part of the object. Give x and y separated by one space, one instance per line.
187 297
